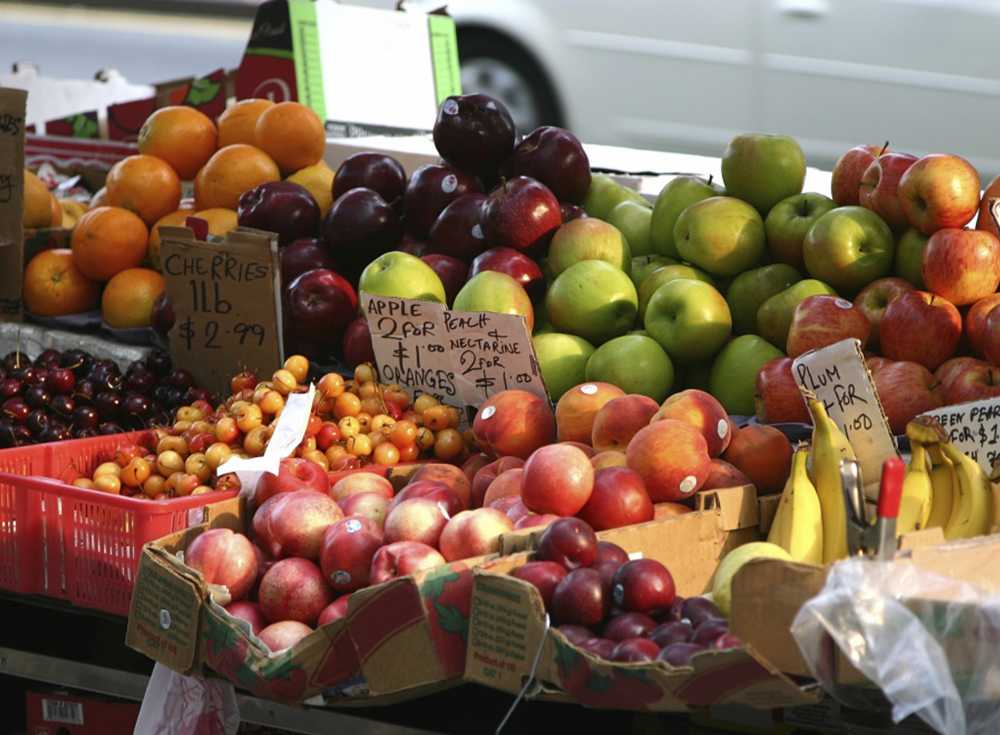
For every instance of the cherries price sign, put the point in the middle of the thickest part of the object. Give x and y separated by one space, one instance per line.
455 356
12 106
226 302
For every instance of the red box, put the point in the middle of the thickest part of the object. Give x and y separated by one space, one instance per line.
60 713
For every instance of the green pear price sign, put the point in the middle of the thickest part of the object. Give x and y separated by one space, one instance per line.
459 357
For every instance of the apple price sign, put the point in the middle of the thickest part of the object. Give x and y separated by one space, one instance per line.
226 303
455 356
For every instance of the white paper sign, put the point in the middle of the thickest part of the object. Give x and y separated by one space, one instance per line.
974 428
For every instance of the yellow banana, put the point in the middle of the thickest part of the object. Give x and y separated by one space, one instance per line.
971 515
915 503
829 447
943 481
798 526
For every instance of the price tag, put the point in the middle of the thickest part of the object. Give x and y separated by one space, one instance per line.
838 376
974 428
455 356
227 302
12 107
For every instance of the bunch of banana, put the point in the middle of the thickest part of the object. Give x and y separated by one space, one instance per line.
829 447
798 522
957 477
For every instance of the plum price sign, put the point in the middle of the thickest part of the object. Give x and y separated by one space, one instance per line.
455 356
974 428
838 376
12 111
226 300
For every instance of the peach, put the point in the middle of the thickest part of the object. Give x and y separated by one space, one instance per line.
619 419
608 458
506 484
475 463
450 475
578 407
294 473
515 510
293 524
417 519
763 454
436 491
585 448
283 634
533 520
373 506
361 482
474 533
346 556
702 411
225 558
557 479
294 589
515 423
671 457
619 499
250 612
488 474
722 474
334 611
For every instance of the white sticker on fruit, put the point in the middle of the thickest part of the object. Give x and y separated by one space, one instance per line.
843 303
589 389
722 428
341 578
449 183
618 593
635 555
688 484
353 525
477 232
165 620
450 107
487 413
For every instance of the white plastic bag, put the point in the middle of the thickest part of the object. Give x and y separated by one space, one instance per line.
187 705
937 655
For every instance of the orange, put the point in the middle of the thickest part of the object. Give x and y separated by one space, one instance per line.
144 184
292 134
72 210
128 298
108 240
220 220
182 136
100 198
54 286
318 180
238 123
37 203
230 172
56 211
173 219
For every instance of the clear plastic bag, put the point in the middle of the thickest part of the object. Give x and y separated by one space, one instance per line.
932 644
187 705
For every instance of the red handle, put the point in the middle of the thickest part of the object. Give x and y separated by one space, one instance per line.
891 489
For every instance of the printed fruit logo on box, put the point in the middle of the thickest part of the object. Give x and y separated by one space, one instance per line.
619 687
448 600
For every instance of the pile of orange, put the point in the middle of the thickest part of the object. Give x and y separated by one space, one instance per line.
253 142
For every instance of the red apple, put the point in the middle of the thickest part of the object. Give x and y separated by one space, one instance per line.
557 479
224 558
951 369
939 191
294 473
777 395
619 499
506 484
347 551
283 207
634 650
402 558
475 463
334 611
544 575
991 336
702 411
973 382
628 625
906 389
475 133
439 492
304 255
360 482
975 321
577 409
879 190
722 474
671 457
679 654
375 171
458 230
579 599
643 585
293 524
294 589
432 188
875 298
709 631
576 634
555 157
569 542
357 343
675 631
962 266
920 327
610 551
514 422
848 171
763 454
283 634
449 475
513 263
600 647
698 610
250 612
618 420
820 321
321 304
520 213
360 226
474 533
450 270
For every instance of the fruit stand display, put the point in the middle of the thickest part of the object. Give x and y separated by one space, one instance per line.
738 392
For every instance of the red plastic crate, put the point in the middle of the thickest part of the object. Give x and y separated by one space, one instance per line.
76 544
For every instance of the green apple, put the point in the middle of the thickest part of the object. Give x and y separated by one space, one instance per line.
723 235
751 289
562 358
588 238
788 222
495 291
910 256
695 376
679 193
689 319
642 332
848 247
402 275
763 169
605 194
774 317
643 265
633 220
634 363
666 274
734 373
594 300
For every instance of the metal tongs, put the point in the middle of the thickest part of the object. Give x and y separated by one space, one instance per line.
876 537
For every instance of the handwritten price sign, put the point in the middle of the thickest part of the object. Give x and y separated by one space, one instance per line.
226 301
974 428
12 106
459 357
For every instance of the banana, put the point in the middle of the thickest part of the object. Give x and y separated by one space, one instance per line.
943 481
915 503
798 522
972 514
829 447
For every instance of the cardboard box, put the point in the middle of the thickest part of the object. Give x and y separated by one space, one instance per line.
62 713
508 626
